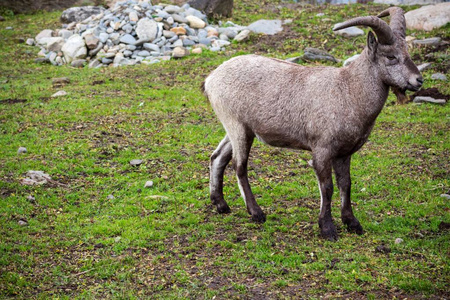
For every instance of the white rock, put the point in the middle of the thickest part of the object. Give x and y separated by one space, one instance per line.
428 17
133 16
74 48
243 35
398 241
44 33
197 50
36 178
59 94
147 30
148 184
195 22
51 43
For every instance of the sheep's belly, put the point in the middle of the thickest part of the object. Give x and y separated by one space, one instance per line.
283 143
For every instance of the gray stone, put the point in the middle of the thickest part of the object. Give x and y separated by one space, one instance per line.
151 47
242 36
169 34
136 162
313 54
52 43
21 150
269 27
205 41
144 53
188 43
30 42
65 34
74 48
179 19
78 63
103 37
94 63
93 52
434 41
447 196
220 43
106 61
428 17
115 38
127 53
128 28
172 9
78 14
147 30
44 34
127 39
439 76
349 32
423 99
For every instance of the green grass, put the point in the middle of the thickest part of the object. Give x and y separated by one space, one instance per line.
167 241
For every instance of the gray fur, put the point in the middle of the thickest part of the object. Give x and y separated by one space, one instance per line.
329 111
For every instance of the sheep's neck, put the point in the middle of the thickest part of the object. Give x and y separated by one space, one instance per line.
368 89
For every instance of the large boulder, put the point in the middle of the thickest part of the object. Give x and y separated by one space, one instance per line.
428 17
213 8
74 48
78 14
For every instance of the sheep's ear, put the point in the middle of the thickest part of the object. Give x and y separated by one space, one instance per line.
372 44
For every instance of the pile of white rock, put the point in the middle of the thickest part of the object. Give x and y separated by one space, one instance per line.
135 32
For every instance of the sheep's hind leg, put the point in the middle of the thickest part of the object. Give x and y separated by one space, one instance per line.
341 168
242 143
322 167
219 160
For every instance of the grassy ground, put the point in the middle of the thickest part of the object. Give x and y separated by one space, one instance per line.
167 241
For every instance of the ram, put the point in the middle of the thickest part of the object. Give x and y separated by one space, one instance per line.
328 111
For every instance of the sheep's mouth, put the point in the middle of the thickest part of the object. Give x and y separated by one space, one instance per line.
412 87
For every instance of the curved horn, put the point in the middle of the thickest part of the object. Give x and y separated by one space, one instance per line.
398 23
381 28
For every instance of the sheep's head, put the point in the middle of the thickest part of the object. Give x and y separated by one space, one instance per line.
390 52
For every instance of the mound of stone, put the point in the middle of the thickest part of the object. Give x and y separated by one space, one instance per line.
134 32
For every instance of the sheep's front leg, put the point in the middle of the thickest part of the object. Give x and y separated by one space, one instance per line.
219 160
341 168
322 167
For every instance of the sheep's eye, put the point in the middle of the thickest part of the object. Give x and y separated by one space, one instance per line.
390 57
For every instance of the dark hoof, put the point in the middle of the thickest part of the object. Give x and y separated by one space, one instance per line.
223 208
353 226
259 218
328 231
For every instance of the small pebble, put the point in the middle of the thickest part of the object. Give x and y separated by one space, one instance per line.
110 197
136 162
445 196
148 184
59 94
22 150
23 223
398 241
439 76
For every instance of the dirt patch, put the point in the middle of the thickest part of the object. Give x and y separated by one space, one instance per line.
12 101
431 92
